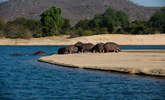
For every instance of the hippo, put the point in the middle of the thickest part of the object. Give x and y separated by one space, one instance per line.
40 53
84 46
111 47
62 50
71 49
17 54
98 48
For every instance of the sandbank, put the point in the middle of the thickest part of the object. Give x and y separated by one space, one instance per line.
133 62
121 39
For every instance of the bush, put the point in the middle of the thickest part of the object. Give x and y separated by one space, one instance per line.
83 24
88 33
121 31
110 18
2 34
150 30
37 35
17 31
75 32
2 24
158 20
101 31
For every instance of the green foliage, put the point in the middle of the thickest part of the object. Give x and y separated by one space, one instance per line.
18 21
96 21
2 24
2 34
158 20
88 33
52 21
35 27
66 27
2 27
66 24
100 30
17 31
137 27
109 19
23 28
73 32
83 24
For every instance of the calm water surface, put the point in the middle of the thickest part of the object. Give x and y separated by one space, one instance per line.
24 78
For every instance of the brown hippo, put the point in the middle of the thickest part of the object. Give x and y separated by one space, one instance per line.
84 46
68 49
99 48
71 49
17 54
111 47
62 50
40 53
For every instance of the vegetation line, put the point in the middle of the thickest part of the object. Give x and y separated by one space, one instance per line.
110 22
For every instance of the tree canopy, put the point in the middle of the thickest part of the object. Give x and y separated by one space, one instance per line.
52 21
158 20
110 18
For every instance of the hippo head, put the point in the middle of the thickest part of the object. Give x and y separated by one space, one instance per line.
62 50
79 44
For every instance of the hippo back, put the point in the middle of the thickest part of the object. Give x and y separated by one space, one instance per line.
88 46
111 46
98 48
72 48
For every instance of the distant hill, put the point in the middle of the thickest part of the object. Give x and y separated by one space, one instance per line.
74 10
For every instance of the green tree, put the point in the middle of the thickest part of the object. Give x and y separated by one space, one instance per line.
18 21
2 27
66 24
135 27
2 24
52 21
109 19
88 33
66 27
83 24
17 31
35 27
158 20
96 21
32 28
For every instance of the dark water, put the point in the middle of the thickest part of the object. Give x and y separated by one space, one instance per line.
142 47
24 78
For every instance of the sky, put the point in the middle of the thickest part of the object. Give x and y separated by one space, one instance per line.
3 0
149 3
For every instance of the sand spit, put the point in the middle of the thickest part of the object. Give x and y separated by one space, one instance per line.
151 63
121 39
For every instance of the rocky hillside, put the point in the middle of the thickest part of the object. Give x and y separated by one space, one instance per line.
74 10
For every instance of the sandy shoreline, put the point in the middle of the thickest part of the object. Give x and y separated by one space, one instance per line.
157 39
151 63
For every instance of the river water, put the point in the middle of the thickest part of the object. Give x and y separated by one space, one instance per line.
24 78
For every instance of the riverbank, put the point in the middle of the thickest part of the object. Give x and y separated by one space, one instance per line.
135 62
156 39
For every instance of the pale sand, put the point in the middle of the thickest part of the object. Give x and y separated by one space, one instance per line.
157 39
151 63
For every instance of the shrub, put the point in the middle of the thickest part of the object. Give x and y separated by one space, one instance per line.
75 32
2 34
17 31
101 31
88 33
